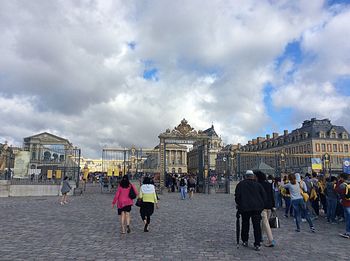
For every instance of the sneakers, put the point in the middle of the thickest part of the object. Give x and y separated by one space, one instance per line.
286 216
272 244
303 220
312 229
128 230
245 244
257 248
345 235
297 230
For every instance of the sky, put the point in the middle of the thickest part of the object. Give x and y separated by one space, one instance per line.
118 73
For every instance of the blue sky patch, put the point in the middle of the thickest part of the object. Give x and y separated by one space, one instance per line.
292 52
280 116
334 2
343 85
151 74
132 45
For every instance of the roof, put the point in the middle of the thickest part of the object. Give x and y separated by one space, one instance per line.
314 127
45 135
211 132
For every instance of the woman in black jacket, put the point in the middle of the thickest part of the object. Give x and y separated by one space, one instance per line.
269 205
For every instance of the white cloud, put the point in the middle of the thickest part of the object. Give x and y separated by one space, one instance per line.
311 89
67 67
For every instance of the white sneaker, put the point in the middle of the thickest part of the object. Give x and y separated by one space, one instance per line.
61 203
303 220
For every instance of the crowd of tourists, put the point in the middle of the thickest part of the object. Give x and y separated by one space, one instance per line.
182 183
303 198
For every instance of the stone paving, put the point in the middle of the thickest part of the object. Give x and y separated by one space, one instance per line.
199 229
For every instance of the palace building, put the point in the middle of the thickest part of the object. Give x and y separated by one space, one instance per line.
317 146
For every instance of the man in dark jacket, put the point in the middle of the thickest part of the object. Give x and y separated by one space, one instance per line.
250 198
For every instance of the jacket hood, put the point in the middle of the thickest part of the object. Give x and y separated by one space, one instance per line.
147 188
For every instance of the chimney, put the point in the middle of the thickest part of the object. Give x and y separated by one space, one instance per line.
249 142
267 136
274 135
285 132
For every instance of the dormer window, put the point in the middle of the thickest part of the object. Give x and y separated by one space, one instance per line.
333 134
344 136
306 135
322 135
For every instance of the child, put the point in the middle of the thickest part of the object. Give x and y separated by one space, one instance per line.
65 190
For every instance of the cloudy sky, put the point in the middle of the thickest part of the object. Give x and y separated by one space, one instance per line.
118 73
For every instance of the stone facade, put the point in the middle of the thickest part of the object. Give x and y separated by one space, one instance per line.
294 151
214 146
49 156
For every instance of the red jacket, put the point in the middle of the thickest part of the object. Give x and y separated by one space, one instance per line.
340 188
122 197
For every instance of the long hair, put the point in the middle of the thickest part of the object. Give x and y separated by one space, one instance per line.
292 178
124 183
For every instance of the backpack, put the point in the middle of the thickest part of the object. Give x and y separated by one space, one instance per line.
182 183
347 191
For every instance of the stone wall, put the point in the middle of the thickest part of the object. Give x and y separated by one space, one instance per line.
8 190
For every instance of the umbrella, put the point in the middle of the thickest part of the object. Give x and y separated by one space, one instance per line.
238 227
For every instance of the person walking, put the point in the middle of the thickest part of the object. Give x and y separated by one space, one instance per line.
183 187
124 203
343 188
149 198
65 190
332 199
269 206
286 196
297 200
250 199
191 186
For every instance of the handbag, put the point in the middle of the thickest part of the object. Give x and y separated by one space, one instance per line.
138 202
132 193
304 195
274 221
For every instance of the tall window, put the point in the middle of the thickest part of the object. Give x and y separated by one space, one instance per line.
340 147
335 148
346 148
329 147
323 147
317 147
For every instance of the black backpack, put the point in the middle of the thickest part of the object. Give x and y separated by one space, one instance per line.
182 182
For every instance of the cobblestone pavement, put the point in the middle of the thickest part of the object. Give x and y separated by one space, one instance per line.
199 229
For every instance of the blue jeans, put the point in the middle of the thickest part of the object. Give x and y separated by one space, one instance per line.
289 207
183 192
278 199
347 219
331 207
299 207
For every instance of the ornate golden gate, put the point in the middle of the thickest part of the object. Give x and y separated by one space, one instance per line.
185 134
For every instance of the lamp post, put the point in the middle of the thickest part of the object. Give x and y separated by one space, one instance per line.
282 158
326 164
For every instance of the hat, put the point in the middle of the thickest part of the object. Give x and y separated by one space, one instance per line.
249 173
297 177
